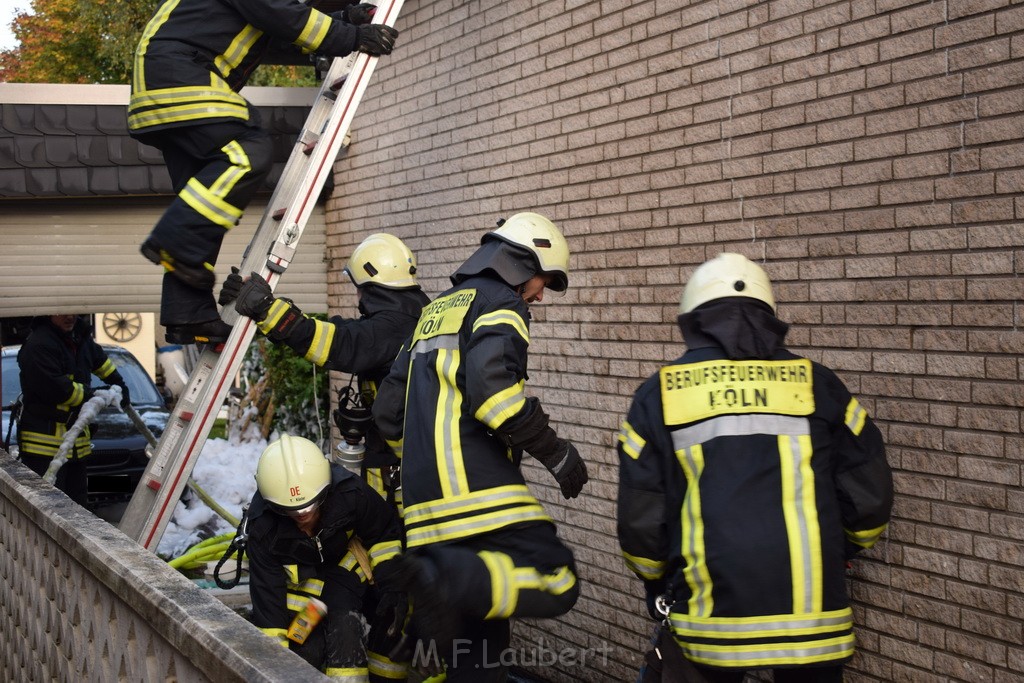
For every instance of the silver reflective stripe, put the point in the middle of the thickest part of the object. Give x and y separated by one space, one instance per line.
739 425
509 495
474 525
691 509
842 619
450 424
444 341
837 647
497 409
800 513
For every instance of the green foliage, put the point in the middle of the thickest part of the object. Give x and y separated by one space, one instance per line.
75 41
301 390
93 41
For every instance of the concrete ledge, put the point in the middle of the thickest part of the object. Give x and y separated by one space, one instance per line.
103 605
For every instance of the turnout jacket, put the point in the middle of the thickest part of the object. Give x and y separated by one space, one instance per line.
55 373
287 567
745 484
364 346
196 55
455 386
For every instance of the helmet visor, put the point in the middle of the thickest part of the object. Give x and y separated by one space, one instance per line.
296 512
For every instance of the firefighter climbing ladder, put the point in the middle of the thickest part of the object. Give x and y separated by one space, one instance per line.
269 253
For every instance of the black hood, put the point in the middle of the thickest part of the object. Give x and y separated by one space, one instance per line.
742 327
375 299
511 264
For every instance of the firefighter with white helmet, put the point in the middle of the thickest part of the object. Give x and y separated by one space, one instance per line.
748 477
383 269
301 522
481 547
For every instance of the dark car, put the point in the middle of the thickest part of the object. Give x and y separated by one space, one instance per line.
119 451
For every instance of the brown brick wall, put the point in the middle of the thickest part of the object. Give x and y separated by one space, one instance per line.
869 152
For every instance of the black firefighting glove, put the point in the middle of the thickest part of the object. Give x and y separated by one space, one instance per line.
376 39
567 467
392 608
359 14
231 287
254 298
126 400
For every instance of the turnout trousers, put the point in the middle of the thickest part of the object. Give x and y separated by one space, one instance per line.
514 572
215 169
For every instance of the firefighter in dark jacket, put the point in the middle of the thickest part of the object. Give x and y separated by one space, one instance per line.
190 64
383 269
748 477
56 363
481 547
317 531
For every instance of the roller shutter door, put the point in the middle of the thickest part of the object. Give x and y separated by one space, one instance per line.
70 256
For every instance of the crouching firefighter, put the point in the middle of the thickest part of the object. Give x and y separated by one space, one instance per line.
317 532
748 477
383 270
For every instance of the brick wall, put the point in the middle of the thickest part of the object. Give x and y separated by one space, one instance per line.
869 152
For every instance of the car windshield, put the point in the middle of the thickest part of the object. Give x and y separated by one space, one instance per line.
141 387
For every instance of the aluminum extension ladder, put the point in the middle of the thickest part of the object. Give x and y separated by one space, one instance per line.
269 253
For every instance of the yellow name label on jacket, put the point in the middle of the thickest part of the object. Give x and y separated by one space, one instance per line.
722 387
444 315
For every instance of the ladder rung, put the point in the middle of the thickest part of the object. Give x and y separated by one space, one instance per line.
279 214
153 484
308 147
337 83
186 416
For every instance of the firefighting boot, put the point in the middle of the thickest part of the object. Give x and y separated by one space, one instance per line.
210 332
200 277
433 618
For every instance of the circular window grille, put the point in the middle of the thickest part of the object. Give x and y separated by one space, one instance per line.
122 327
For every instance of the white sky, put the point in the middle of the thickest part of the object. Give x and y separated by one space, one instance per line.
8 8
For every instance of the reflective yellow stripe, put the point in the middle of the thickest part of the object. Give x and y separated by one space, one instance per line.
237 50
353 674
192 111
320 348
507 581
139 72
105 370
440 520
507 403
867 537
631 442
701 601
278 634
643 567
274 315
380 665
47 445
447 438
772 654
216 94
856 416
314 31
383 551
801 517
76 397
210 205
504 317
